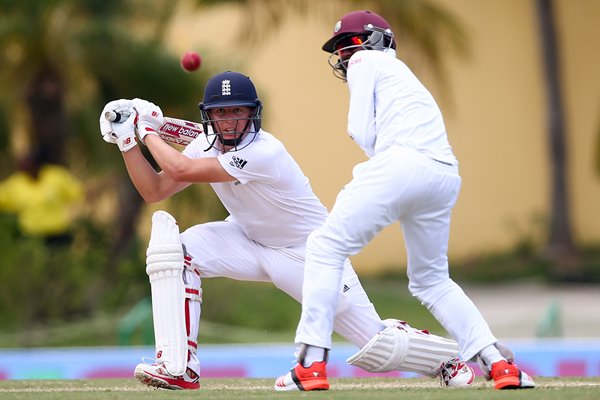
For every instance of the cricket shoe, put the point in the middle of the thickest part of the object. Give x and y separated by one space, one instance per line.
456 373
507 375
302 378
156 375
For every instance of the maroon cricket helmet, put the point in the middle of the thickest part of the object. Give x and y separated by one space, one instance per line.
357 23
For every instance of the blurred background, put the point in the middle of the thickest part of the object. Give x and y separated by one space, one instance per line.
515 79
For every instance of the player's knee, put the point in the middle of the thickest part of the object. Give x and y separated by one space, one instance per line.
164 251
428 289
321 246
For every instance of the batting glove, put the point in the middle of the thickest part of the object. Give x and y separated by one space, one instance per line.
122 107
124 133
149 118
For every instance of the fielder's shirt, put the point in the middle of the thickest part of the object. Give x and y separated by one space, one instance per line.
390 106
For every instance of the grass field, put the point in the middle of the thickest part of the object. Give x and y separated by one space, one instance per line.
381 389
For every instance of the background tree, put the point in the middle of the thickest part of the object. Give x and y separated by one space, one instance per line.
560 246
62 60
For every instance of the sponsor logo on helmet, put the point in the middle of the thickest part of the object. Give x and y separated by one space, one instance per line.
338 26
355 61
226 87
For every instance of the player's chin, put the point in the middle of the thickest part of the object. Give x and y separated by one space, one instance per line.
231 138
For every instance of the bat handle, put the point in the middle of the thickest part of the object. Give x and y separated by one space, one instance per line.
116 116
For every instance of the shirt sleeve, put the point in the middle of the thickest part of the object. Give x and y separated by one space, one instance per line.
362 71
253 163
195 149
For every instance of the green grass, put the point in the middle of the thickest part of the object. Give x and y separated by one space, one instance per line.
347 389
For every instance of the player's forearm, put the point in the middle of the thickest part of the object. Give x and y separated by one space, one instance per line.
143 176
171 161
183 170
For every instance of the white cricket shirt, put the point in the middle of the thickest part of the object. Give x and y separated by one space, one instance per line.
389 106
272 199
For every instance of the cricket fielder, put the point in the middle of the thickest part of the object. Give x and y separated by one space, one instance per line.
272 210
411 177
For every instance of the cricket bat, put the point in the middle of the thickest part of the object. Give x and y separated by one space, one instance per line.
173 130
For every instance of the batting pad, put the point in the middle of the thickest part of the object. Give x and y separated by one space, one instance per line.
399 349
164 266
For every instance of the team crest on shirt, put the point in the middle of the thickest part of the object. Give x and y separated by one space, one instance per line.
238 162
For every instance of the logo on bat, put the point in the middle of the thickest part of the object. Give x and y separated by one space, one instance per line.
180 130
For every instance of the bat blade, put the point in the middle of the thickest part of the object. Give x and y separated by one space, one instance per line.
180 131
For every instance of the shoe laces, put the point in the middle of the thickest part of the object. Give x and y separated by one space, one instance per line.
448 370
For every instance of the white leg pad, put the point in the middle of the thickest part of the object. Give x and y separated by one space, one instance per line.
164 266
403 348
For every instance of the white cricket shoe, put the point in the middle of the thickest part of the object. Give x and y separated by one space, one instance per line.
156 375
456 373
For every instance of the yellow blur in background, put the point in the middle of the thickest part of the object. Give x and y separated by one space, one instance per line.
43 204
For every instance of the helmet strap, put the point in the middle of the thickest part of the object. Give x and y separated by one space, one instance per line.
376 40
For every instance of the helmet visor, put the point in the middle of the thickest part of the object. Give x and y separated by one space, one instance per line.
349 41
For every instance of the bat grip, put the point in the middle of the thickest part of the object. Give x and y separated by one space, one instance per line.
116 116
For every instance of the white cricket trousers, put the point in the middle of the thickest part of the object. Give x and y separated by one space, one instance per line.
222 249
399 184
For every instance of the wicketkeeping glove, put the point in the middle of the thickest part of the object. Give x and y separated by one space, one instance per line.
149 118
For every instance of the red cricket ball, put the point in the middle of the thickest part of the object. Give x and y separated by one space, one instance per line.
190 61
